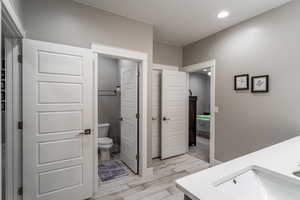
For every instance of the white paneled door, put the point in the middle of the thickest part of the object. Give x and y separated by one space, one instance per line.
156 113
129 111
57 114
174 113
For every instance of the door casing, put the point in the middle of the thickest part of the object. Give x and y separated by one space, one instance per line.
142 59
14 30
214 109
13 146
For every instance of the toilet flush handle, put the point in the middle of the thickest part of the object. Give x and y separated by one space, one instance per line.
86 132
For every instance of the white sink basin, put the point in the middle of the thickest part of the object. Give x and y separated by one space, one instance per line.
256 183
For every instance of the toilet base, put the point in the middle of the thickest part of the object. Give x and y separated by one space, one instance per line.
105 154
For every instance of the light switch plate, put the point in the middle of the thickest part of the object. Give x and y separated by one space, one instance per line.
216 109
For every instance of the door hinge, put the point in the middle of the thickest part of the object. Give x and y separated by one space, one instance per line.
20 125
20 191
137 115
20 58
138 74
137 156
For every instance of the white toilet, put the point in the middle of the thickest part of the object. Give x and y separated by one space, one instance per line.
104 142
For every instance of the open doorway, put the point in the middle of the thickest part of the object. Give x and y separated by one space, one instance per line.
128 95
118 117
188 96
199 113
202 110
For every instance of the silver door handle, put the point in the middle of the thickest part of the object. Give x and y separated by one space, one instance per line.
166 119
86 132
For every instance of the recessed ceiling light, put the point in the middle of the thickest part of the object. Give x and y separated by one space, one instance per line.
223 14
205 70
209 73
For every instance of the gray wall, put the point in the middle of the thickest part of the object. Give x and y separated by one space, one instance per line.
266 44
67 22
109 106
167 54
200 87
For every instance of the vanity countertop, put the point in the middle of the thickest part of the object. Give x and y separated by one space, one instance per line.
282 158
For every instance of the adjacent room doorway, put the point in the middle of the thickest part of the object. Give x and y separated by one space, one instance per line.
118 117
133 103
202 131
176 128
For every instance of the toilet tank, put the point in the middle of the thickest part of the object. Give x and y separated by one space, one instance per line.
103 130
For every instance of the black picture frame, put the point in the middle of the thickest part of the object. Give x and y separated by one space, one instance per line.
254 90
236 79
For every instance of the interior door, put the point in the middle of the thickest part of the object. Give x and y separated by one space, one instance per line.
57 114
129 111
174 113
156 113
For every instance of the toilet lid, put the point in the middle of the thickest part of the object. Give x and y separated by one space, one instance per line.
105 140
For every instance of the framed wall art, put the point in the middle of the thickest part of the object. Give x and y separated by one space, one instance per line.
260 84
241 82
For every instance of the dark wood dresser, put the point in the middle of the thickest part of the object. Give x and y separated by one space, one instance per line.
192 120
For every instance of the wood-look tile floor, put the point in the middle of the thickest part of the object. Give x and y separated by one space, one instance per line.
201 151
160 186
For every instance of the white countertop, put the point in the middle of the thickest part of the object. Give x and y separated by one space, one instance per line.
282 158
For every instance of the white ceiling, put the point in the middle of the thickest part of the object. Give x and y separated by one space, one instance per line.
180 22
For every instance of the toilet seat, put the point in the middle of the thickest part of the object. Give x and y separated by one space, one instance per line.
105 142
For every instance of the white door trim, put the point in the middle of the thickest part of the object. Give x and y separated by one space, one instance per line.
17 117
164 67
11 23
9 12
213 108
143 59
95 124
12 116
9 128
13 152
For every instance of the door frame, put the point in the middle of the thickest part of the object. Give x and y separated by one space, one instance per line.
13 115
15 29
142 58
214 109
164 67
